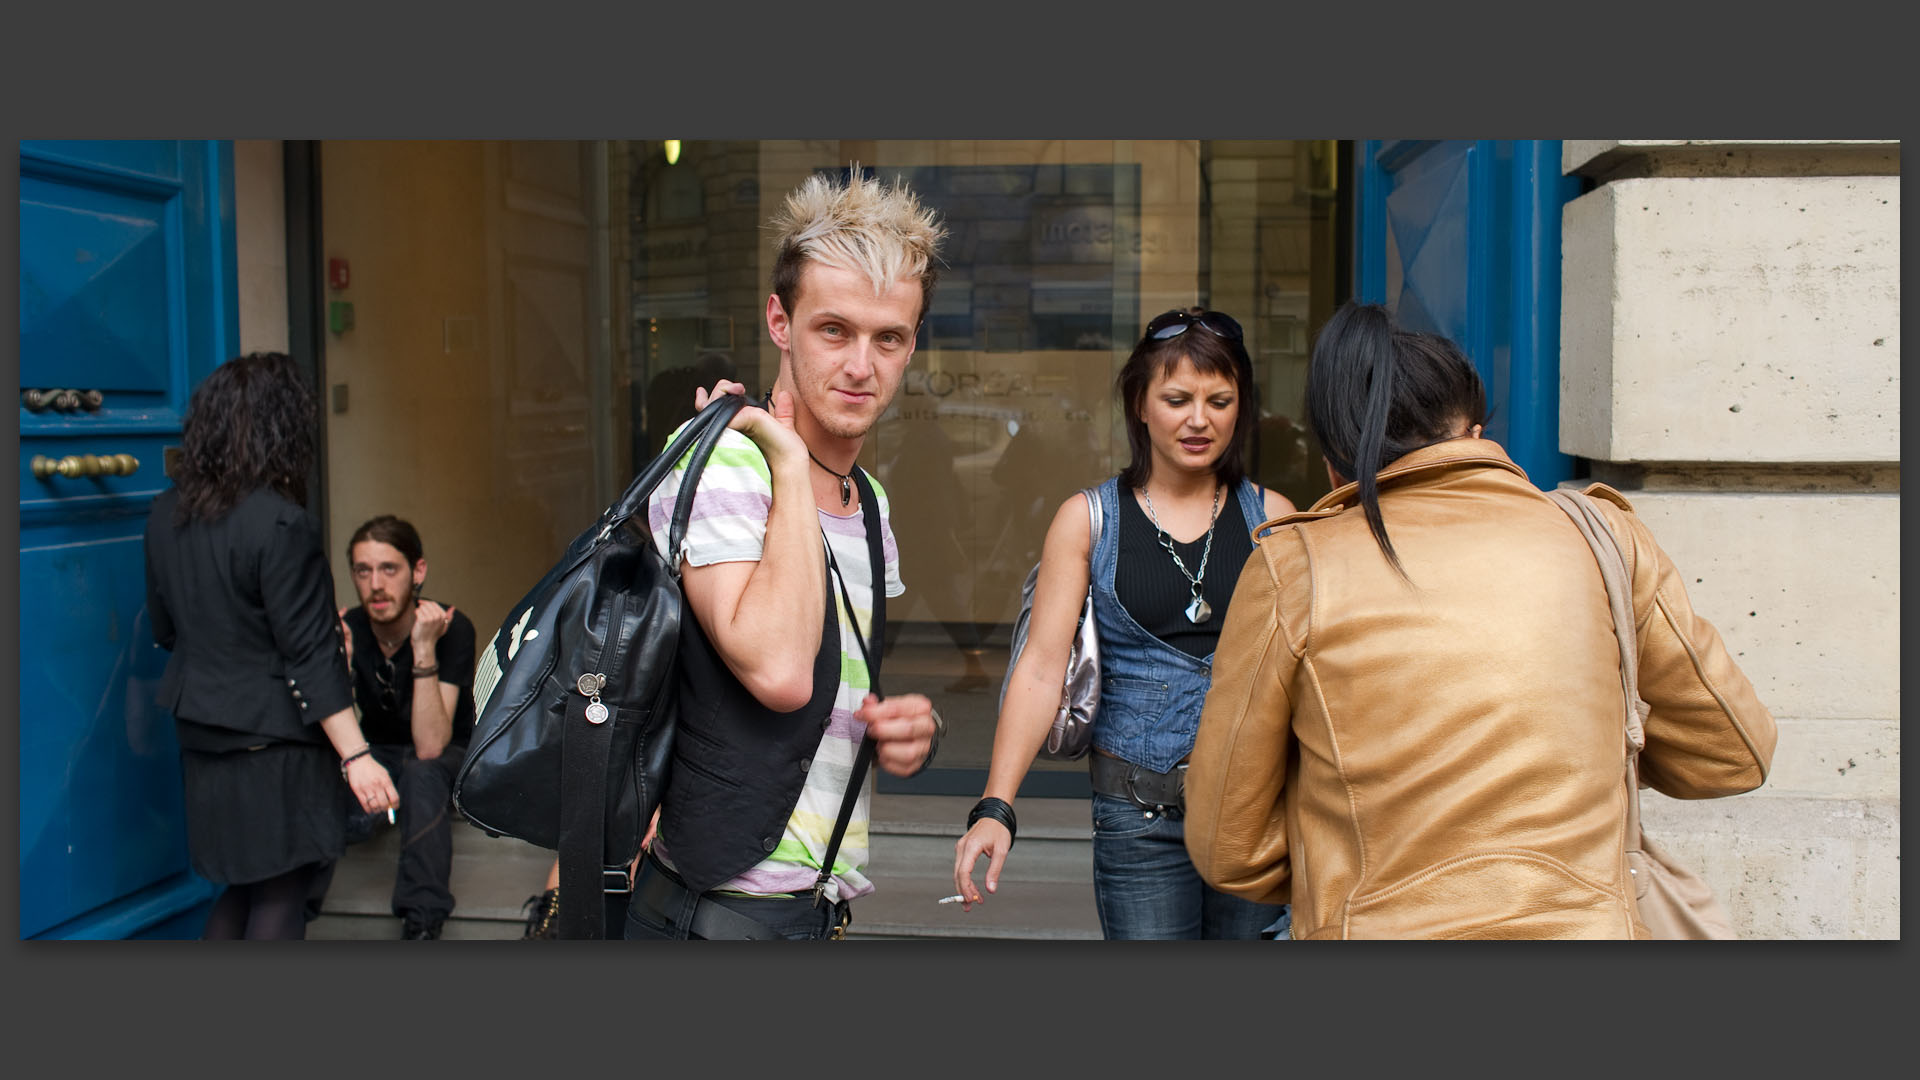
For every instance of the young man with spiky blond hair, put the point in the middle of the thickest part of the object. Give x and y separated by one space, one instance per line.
783 568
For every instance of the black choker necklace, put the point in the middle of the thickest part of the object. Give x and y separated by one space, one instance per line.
846 480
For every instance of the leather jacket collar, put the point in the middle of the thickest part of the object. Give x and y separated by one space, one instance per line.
1448 454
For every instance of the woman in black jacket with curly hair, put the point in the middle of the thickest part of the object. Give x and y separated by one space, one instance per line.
239 590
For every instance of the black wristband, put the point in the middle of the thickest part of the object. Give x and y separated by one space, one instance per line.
998 810
353 757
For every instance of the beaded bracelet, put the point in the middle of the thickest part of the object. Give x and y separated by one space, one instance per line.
365 749
998 810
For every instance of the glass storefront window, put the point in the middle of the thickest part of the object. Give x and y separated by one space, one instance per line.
1057 253
532 319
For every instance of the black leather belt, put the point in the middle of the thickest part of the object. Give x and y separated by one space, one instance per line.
661 892
1161 792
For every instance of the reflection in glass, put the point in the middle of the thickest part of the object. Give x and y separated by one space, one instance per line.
1057 252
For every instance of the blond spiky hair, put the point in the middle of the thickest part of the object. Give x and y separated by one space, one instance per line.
861 225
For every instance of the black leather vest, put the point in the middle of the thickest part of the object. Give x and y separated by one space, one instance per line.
738 766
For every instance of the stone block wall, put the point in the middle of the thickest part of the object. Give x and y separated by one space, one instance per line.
1730 359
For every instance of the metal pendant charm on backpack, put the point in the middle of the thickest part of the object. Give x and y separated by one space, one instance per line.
590 685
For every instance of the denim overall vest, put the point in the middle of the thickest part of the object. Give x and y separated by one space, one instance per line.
1150 692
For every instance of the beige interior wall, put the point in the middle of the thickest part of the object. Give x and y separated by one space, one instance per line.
619 330
466 410
260 233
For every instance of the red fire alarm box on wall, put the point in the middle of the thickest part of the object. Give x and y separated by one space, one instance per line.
337 273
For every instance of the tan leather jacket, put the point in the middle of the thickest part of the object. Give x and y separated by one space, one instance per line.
1447 759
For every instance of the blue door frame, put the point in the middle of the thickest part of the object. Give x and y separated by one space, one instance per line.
127 287
1462 238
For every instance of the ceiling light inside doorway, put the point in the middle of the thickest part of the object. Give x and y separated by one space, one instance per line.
672 146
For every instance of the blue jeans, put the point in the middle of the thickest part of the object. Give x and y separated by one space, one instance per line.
1146 887
422 886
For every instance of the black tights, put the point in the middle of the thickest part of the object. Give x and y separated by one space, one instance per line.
270 910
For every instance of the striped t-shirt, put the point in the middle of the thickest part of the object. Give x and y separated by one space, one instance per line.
729 524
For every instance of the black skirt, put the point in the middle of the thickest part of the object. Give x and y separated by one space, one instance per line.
256 814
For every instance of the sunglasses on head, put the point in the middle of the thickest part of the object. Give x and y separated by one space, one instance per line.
1178 321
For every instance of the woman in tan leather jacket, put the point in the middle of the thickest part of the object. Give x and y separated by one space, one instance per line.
1415 727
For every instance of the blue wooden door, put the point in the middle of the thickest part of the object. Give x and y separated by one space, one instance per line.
127 299
1462 238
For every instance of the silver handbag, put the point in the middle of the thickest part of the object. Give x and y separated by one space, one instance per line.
1072 733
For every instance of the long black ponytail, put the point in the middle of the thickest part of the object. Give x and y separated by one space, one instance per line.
1376 393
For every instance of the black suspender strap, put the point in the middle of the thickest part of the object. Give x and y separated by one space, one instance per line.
870 515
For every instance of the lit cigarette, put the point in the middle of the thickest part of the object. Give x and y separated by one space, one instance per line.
389 815
954 899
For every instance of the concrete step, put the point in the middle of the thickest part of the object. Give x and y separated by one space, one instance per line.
1046 890
908 907
385 927
1046 884
1052 819
492 879
1064 862
914 836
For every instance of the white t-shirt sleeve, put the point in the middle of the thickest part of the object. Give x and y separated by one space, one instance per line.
889 548
730 506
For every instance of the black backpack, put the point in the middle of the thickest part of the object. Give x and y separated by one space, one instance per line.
574 696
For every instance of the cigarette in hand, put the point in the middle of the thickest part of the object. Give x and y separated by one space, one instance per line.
389 815
954 899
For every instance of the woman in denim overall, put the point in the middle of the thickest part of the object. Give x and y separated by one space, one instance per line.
1176 529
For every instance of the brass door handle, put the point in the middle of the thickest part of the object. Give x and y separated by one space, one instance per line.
85 465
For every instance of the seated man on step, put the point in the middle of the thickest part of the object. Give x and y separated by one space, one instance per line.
412 664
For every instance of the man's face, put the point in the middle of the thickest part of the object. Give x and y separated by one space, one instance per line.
848 348
384 580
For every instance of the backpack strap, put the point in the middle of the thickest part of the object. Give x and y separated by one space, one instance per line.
586 748
703 434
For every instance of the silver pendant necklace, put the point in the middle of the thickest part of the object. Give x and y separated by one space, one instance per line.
1198 610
